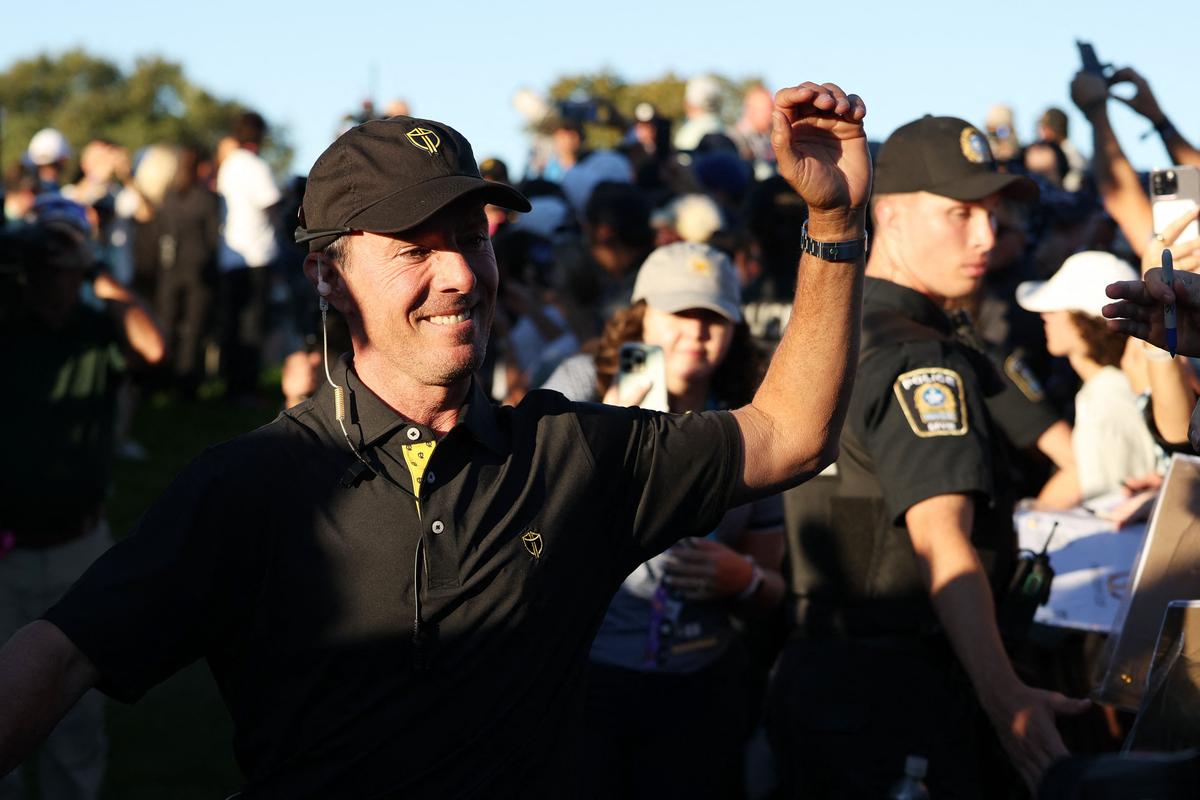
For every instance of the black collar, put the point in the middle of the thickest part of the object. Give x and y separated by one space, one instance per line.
369 419
884 295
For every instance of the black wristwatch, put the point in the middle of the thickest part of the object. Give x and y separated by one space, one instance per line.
851 250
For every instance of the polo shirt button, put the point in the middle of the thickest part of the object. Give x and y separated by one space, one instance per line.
437 526
413 434
430 477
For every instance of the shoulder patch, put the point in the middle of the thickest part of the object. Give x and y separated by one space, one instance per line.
1024 379
934 401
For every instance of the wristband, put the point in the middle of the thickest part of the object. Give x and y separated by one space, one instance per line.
850 250
1166 130
756 579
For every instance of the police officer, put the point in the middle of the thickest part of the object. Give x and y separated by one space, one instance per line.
898 552
396 583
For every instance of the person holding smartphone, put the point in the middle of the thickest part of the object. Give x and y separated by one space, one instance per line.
669 683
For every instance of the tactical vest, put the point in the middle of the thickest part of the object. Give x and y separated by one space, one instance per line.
853 572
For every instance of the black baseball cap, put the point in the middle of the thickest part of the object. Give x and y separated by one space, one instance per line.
390 175
946 156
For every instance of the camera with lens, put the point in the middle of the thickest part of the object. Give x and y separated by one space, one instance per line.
1164 182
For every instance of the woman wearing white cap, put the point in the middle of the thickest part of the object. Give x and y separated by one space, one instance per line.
669 685
1111 440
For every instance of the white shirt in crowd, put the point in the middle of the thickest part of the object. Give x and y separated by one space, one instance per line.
247 190
1111 440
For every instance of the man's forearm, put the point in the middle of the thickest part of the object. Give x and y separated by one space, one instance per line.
1022 717
1061 491
802 402
1179 148
965 609
1171 399
961 596
139 326
1122 193
41 676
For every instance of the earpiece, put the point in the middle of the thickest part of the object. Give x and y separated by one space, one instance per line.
339 393
323 288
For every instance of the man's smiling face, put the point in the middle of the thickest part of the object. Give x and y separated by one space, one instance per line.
423 299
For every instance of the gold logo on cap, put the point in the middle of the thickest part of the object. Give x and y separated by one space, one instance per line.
975 147
533 543
700 266
425 139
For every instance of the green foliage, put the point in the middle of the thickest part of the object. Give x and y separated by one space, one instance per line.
87 97
664 93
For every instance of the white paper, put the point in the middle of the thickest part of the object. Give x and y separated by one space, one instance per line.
1092 562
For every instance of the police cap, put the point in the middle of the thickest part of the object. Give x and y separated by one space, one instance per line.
945 156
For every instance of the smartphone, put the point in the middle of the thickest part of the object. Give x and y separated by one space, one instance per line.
1175 191
1091 63
640 363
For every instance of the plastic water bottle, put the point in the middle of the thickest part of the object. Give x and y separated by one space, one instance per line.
911 786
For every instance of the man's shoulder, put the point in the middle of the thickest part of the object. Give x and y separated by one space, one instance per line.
889 357
537 406
898 370
257 455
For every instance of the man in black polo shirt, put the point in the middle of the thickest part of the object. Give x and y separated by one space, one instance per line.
898 551
396 583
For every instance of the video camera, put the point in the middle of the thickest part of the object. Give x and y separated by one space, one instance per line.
580 108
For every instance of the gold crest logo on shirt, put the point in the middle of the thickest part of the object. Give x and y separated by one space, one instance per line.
533 543
424 139
975 146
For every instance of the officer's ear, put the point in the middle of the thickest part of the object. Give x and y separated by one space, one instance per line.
885 210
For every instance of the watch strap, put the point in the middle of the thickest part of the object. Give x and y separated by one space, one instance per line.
850 250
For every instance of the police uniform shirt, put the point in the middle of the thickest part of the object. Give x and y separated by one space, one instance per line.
918 427
1022 413
291 570
919 407
1020 409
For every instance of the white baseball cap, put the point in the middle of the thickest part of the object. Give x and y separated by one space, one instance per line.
703 91
48 146
1078 285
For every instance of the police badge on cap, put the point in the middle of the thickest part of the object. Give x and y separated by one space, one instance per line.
975 146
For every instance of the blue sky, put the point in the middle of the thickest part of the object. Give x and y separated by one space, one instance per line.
305 64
